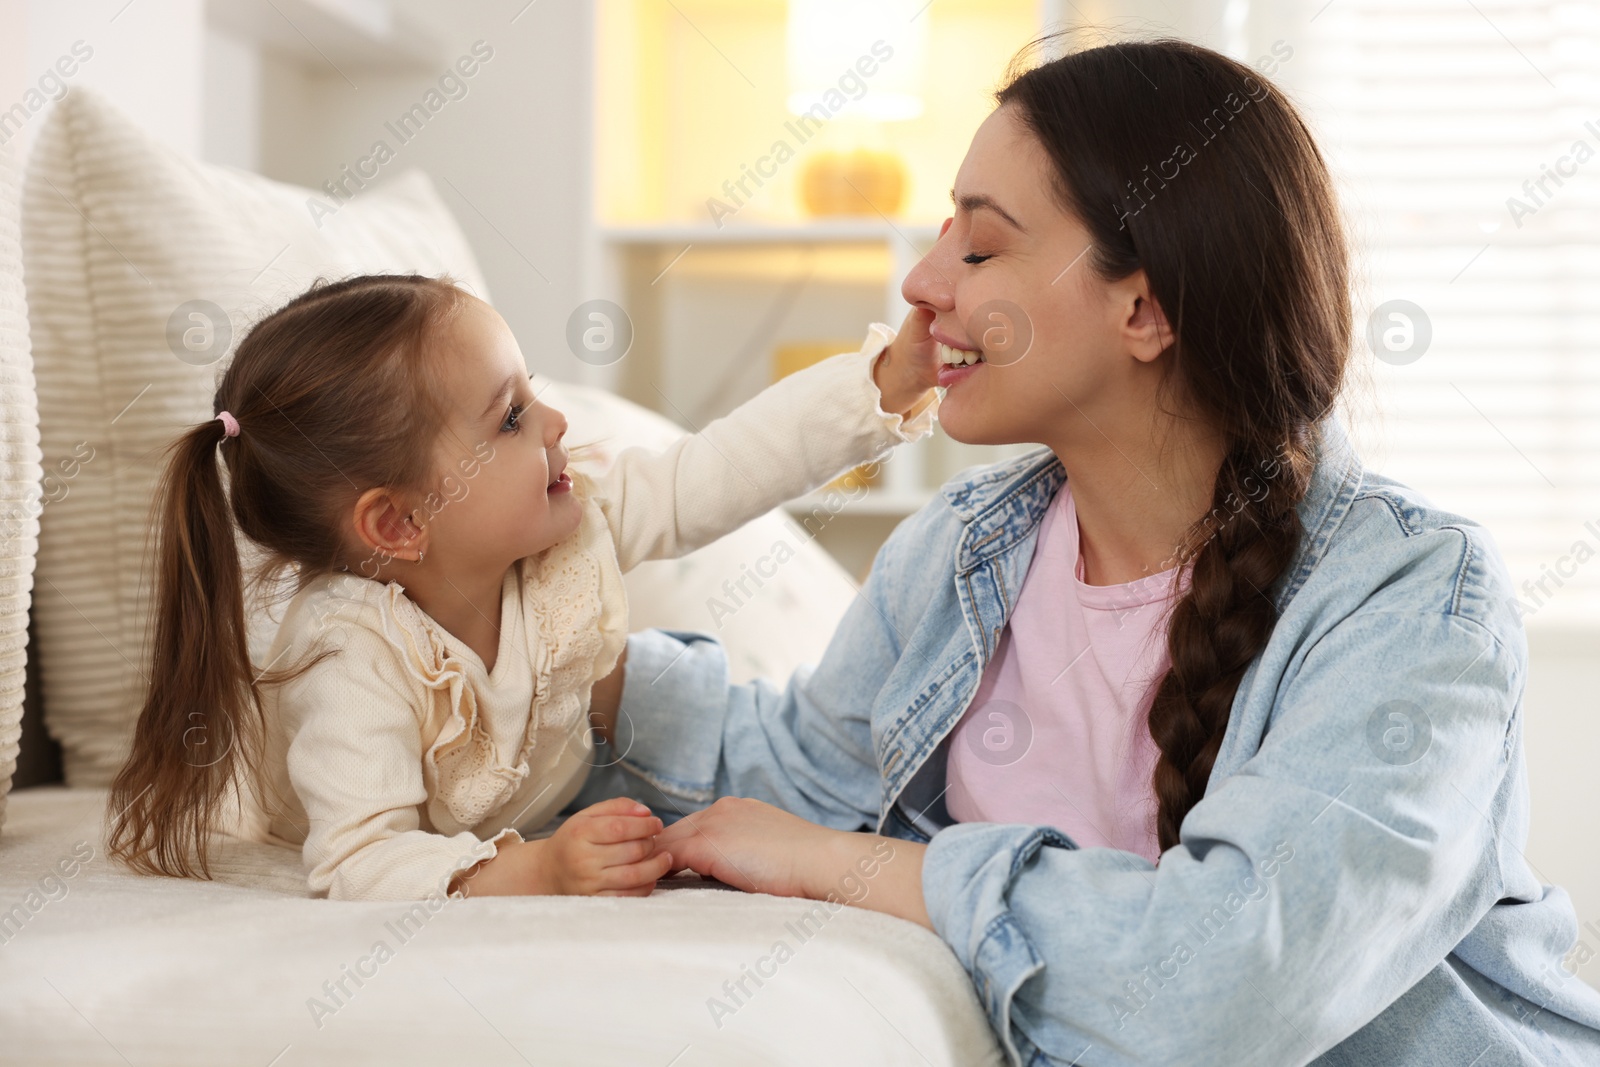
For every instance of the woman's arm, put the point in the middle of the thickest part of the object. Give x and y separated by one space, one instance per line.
1311 888
1309 891
792 437
688 736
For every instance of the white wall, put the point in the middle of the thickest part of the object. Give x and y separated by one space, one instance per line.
148 55
13 50
516 147
231 104
1561 730
510 158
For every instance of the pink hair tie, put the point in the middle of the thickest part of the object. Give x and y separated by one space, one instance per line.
230 425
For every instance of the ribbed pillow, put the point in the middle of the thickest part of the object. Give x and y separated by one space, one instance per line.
119 234
20 472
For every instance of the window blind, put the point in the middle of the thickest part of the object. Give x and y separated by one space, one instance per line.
1465 137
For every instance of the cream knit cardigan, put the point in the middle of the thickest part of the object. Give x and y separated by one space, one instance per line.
399 761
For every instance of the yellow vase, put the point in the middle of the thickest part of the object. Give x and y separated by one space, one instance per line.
863 181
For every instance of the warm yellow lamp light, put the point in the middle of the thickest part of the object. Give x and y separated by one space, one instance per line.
797 356
859 62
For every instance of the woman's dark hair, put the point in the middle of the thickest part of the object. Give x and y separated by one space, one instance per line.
334 394
1195 168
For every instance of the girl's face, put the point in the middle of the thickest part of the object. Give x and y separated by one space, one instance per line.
504 491
1062 352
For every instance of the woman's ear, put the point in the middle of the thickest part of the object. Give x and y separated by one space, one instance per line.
1144 325
385 527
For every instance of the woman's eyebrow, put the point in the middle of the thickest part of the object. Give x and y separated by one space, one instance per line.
970 202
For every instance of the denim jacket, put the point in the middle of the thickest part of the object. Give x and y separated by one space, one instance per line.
1350 890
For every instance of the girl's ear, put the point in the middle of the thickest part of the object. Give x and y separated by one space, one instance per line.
385 526
1145 325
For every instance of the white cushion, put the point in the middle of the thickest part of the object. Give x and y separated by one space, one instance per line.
177 972
20 472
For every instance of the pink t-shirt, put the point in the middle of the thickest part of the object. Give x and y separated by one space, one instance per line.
1057 733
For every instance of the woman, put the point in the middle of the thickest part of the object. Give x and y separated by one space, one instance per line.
1279 695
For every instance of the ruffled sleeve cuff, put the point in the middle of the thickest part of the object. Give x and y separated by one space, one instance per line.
415 865
486 851
920 425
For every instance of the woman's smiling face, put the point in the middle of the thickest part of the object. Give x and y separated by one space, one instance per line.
1010 279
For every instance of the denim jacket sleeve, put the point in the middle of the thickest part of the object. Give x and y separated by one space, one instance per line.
806 748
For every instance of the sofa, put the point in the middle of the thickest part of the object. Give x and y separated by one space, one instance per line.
127 271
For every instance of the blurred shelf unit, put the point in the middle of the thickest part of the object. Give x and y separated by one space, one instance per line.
874 504
699 231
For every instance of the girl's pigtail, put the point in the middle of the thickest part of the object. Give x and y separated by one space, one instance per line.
201 720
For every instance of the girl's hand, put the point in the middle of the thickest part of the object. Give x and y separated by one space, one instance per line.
607 849
908 369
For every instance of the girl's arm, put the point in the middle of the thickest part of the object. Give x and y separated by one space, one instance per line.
355 763
607 849
792 437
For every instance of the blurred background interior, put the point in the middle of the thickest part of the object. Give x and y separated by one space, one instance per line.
630 150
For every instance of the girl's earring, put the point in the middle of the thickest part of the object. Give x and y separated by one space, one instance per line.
410 518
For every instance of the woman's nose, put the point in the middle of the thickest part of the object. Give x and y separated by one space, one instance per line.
928 284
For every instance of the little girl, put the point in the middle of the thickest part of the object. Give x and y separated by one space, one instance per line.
457 592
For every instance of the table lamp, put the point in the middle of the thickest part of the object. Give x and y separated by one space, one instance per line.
854 65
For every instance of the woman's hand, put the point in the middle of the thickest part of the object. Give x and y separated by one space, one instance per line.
748 844
762 849
908 369
607 849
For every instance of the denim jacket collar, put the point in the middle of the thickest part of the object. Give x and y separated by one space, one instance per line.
1335 480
